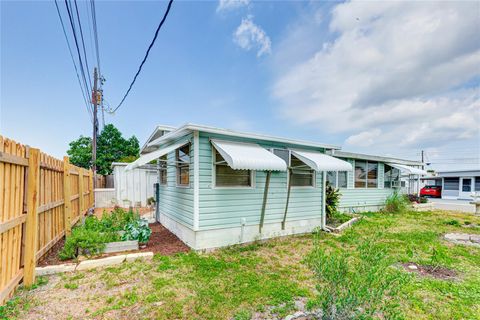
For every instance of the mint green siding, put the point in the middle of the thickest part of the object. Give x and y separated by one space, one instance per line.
363 198
177 202
226 207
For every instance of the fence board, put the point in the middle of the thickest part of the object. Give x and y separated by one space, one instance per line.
50 209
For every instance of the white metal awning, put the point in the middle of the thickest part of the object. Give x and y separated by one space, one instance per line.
408 169
248 156
146 158
322 162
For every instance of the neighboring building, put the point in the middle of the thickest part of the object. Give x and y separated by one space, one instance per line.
459 184
220 187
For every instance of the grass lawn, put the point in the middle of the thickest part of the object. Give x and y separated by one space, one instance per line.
237 282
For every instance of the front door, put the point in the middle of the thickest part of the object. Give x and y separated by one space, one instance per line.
466 188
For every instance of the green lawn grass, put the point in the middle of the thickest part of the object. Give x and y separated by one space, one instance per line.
236 282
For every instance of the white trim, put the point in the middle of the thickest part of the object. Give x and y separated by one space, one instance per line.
187 128
196 180
324 202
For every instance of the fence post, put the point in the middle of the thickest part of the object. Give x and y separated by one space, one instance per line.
67 196
81 205
91 195
31 223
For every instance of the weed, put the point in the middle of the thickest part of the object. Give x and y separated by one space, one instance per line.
396 203
71 285
452 222
242 315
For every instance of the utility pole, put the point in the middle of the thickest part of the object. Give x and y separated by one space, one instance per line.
95 126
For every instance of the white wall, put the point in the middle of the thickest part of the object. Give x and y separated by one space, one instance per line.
135 185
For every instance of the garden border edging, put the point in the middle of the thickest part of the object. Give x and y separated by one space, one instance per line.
91 264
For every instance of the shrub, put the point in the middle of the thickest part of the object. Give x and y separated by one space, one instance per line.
332 198
356 286
396 203
86 242
137 230
452 222
118 219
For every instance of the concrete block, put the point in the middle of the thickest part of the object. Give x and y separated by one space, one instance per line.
121 246
108 261
43 271
140 255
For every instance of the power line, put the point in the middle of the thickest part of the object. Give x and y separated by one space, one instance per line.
146 55
72 25
83 42
84 96
95 33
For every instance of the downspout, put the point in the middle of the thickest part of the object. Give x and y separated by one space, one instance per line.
324 202
288 197
196 181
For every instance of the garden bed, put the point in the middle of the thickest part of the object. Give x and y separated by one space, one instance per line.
162 241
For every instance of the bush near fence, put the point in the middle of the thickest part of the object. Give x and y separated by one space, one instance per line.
41 199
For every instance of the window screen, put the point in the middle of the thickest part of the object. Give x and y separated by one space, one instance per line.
372 174
302 175
183 165
227 177
332 178
451 183
477 184
360 174
342 179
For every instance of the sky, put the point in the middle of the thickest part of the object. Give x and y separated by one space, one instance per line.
383 78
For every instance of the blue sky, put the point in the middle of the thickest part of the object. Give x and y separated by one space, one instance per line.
336 73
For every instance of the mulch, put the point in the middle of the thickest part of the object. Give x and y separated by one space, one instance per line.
162 241
432 271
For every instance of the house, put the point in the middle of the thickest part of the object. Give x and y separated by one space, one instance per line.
457 184
219 187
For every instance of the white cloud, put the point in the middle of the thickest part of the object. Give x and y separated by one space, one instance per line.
393 73
250 36
229 5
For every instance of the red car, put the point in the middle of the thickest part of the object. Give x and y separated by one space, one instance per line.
431 191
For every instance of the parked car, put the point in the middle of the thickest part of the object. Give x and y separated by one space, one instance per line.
431 191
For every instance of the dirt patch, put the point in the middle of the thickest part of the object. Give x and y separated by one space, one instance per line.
432 271
161 241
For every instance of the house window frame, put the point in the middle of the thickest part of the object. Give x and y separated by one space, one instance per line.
163 168
177 166
314 175
253 174
366 175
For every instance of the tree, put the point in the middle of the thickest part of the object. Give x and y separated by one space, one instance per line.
111 147
80 152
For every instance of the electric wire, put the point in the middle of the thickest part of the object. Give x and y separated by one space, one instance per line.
83 43
84 95
146 55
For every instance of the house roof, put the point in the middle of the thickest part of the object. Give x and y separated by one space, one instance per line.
459 173
353 155
188 128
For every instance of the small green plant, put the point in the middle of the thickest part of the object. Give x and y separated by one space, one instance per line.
332 198
423 200
86 242
355 286
71 285
452 222
396 203
137 230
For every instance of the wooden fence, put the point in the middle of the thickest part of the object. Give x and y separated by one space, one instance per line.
41 198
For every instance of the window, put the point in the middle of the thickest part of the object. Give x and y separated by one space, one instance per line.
182 157
372 174
227 177
342 179
391 175
366 174
451 184
360 174
302 175
477 184
466 185
337 179
163 170
332 178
